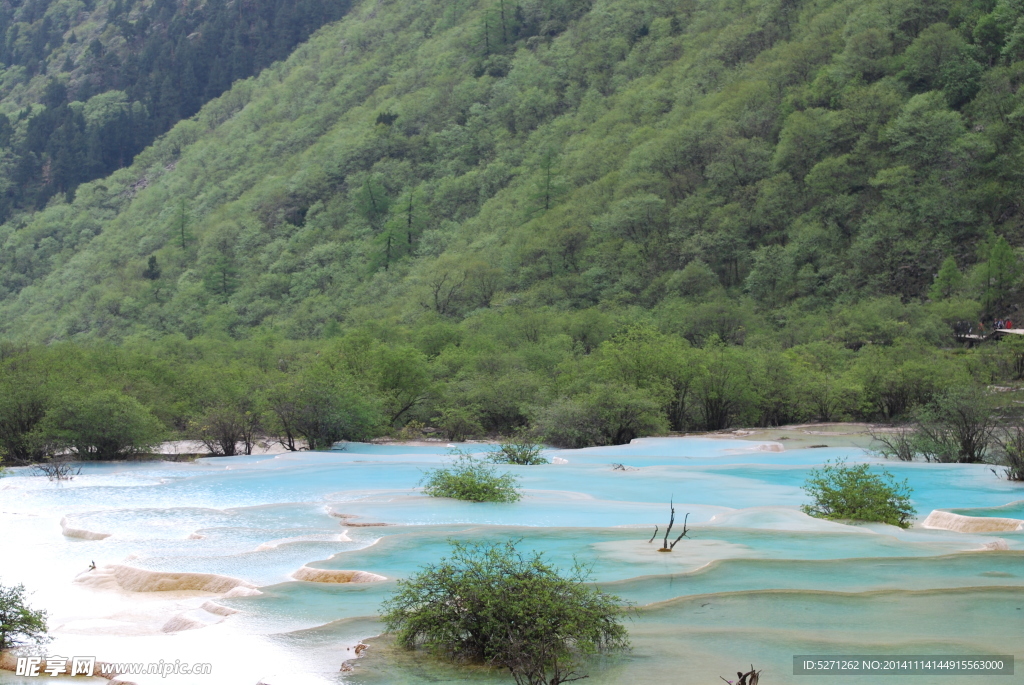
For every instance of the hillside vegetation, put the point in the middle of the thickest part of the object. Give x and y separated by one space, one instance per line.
86 85
600 219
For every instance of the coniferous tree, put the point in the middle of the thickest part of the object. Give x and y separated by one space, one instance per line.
997 273
948 281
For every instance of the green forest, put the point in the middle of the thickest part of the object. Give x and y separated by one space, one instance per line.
87 85
595 219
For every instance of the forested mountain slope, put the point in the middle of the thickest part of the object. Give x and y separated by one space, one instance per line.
793 169
87 84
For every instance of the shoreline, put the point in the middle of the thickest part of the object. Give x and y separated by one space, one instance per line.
859 436
804 435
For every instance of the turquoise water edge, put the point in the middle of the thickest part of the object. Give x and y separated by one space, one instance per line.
756 581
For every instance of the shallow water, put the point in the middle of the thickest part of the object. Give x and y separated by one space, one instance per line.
756 580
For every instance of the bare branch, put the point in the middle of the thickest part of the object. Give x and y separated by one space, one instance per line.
58 468
671 520
683 534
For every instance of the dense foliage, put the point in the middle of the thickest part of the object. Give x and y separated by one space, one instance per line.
490 603
87 85
471 479
19 623
853 492
100 424
792 170
490 381
595 219
108 403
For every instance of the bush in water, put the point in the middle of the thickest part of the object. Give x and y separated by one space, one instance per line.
489 603
853 492
470 479
520 450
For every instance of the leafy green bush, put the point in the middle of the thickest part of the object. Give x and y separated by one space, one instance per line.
609 414
853 492
567 423
103 424
231 410
520 450
488 603
323 407
18 623
470 479
25 397
458 423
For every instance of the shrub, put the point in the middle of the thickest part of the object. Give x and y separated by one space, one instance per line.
412 430
321 409
458 423
18 623
853 492
1012 443
58 467
567 423
470 479
900 443
624 413
520 450
102 424
606 415
957 426
488 603
232 410
25 397
327 416
221 429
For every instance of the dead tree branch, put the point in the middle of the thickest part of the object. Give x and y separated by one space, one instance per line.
58 468
683 534
666 547
751 677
